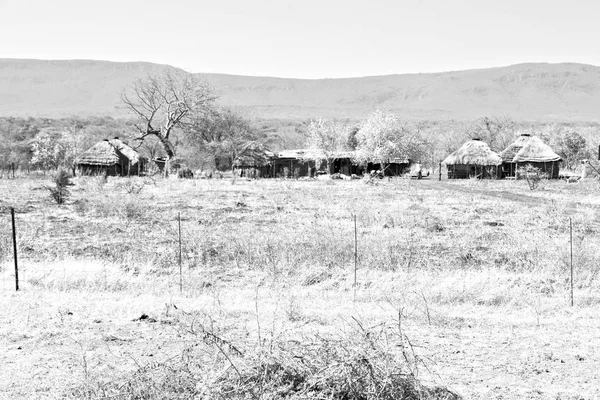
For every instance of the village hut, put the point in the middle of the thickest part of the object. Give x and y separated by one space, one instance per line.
175 164
393 167
254 161
539 155
473 159
309 162
509 167
110 157
298 163
344 163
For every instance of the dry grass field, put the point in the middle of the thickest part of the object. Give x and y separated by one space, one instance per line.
461 285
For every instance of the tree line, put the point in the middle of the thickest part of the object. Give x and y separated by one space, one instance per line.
177 116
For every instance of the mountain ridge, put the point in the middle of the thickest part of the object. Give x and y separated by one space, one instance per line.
527 91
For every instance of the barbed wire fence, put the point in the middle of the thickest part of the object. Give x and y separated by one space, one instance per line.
17 268
97 274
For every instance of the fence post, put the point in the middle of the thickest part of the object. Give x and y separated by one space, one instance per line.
14 232
571 245
180 268
355 250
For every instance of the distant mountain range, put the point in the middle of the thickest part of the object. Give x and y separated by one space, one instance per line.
534 92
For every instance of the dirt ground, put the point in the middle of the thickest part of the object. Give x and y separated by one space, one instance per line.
479 328
52 342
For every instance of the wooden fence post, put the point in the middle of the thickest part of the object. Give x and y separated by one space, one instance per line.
571 245
355 250
14 232
180 268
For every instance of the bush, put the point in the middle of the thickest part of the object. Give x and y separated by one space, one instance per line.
61 180
532 175
134 186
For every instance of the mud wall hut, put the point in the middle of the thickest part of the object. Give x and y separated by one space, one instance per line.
394 167
110 157
509 168
309 162
254 161
298 163
474 159
539 155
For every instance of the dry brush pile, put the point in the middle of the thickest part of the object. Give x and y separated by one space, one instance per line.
372 363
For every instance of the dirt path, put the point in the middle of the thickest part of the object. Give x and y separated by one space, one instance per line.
572 207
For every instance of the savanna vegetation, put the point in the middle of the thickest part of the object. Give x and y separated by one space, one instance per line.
152 287
461 288
215 140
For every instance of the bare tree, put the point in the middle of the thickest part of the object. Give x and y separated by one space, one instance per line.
497 132
163 102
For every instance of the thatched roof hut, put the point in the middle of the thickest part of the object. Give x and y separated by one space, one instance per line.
539 155
473 159
254 161
536 151
298 163
530 150
254 154
110 157
511 151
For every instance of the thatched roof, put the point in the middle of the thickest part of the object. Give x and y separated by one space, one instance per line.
474 152
127 151
254 154
535 150
109 152
511 151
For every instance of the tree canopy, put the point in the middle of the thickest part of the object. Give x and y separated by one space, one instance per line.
164 102
383 137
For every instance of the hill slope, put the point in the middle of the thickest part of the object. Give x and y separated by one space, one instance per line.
549 92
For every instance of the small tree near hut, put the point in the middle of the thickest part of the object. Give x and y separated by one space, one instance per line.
572 147
327 136
60 192
164 102
383 137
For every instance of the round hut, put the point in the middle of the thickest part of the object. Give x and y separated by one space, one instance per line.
539 155
254 161
509 167
474 159
110 157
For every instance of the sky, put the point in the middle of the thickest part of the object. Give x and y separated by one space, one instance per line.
307 38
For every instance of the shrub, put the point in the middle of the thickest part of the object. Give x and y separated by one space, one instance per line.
532 175
62 180
134 186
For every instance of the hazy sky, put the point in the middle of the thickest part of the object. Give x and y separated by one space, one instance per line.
305 39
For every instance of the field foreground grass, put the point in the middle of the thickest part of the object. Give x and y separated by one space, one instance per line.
460 285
